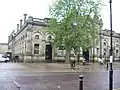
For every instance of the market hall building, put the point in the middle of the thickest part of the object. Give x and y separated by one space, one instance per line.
31 42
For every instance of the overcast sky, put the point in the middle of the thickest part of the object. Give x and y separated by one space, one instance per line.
11 11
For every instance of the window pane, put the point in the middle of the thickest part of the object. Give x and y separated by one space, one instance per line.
36 48
36 36
36 51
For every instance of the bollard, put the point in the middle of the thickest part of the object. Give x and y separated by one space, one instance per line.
81 82
18 88
111 79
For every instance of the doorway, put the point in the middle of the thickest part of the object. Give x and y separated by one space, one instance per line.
48 53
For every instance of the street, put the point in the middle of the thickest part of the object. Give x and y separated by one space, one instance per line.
36 77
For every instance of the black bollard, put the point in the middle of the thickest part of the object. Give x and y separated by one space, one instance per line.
107 66
111 77
111 80
81 82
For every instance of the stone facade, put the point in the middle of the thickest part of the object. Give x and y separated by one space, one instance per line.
3 48
28 42
105 46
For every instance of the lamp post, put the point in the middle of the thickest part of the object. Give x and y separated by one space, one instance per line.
111 51
101 24
107 56
74 24
119 54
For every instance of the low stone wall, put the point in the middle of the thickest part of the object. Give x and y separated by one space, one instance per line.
36 58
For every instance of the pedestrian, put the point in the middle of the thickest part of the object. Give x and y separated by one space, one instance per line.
73 64
83 61
100 61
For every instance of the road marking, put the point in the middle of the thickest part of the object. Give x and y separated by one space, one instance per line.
17 84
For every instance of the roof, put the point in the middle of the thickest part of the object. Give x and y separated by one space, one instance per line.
3 43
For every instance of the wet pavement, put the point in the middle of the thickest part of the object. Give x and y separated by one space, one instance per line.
29 77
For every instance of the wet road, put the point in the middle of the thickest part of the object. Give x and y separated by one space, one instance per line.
32 80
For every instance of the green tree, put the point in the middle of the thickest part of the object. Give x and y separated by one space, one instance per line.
64 13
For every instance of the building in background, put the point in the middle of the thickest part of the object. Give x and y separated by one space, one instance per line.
105 45
3 48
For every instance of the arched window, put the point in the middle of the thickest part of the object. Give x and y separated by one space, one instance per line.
37 37
49 37
26 35
23 37
104 43
117 53
117 45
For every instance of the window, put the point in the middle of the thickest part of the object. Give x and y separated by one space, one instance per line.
26 35
117 41
37 37
25 47
49 37
117 45
104 54
104 49
116 52
23 37
104 43
36 48
97 50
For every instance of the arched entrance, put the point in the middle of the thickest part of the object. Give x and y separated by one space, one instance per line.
48 53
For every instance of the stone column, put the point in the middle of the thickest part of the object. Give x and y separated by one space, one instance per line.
21 23
25 15
17 27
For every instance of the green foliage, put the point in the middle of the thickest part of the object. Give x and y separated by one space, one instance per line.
86 13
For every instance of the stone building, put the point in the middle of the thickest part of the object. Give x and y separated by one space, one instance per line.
29 42
103 49
3 48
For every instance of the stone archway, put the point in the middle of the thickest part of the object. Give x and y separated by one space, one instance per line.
49 47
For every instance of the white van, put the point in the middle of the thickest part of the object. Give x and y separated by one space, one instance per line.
4 59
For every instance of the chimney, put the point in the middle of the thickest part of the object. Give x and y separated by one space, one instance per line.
25 15
21 23
13 31
17 27
30 19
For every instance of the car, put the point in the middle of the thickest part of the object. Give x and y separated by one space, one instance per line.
4 59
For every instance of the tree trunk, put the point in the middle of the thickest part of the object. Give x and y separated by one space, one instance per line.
78 57
67 57
93 50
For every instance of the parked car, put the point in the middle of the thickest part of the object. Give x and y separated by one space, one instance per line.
4 59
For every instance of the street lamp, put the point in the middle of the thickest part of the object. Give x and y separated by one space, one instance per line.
101 24
119 54
74 24
111 51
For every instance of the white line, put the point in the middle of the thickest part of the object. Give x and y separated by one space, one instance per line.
17 85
